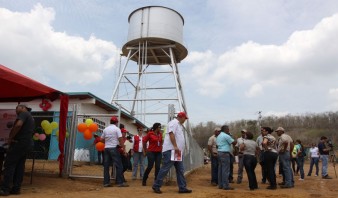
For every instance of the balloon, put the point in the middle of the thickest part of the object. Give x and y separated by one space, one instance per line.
45 123
42 137
93 127
49 130
81 127
54 125
88 122
36 136
67 134
87 134
99 146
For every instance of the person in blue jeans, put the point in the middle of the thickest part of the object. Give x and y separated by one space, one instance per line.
212 147
314 159
112 137
224 143
324 156
300 158
173 146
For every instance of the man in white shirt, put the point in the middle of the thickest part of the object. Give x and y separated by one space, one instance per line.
112 137
174 142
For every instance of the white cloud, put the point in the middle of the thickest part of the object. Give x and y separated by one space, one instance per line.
307 54
29 44
254 91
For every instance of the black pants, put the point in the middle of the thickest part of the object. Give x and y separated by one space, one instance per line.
270 159
250 163
152 157
261 162
14 166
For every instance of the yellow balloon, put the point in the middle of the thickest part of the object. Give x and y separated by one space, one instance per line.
54 125
44 123
67 134
89 121
49 130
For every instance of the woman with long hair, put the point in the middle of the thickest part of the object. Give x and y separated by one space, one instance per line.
153 151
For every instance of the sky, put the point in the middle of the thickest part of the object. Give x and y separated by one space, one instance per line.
275 57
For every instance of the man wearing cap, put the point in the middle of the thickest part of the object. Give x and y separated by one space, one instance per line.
212 147
284 149
138 153
240 141
20 144
174 142
112 137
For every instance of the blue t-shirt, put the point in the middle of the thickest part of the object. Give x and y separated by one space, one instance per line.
223 142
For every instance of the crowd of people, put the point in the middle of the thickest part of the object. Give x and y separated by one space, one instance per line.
266 150
168 150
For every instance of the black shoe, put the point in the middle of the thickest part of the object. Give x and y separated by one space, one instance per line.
107 185
144 183
229 188
284 186
123 185
281 184
15 192
157 190
4 193
271 187
327 177
231 181
185 191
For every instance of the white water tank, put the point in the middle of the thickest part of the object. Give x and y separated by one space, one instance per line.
157 26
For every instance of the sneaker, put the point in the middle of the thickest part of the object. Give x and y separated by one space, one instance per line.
282 183
214 184
228 188
300 179
309 175
316 175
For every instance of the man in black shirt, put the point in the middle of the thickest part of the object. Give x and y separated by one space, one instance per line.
20 143
324 156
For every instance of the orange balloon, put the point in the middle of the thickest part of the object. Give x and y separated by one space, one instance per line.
93 127
99 146
87 134
81 127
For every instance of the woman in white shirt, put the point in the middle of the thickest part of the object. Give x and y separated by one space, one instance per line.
314 156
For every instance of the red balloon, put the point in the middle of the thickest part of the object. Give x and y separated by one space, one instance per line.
87 134
93 127
81 127
99 146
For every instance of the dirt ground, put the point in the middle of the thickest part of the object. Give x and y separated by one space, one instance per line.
198 181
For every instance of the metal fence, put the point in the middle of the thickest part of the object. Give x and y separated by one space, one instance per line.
81 156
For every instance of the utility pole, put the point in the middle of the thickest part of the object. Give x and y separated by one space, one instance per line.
259 119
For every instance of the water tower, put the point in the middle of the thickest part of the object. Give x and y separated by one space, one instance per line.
150 87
